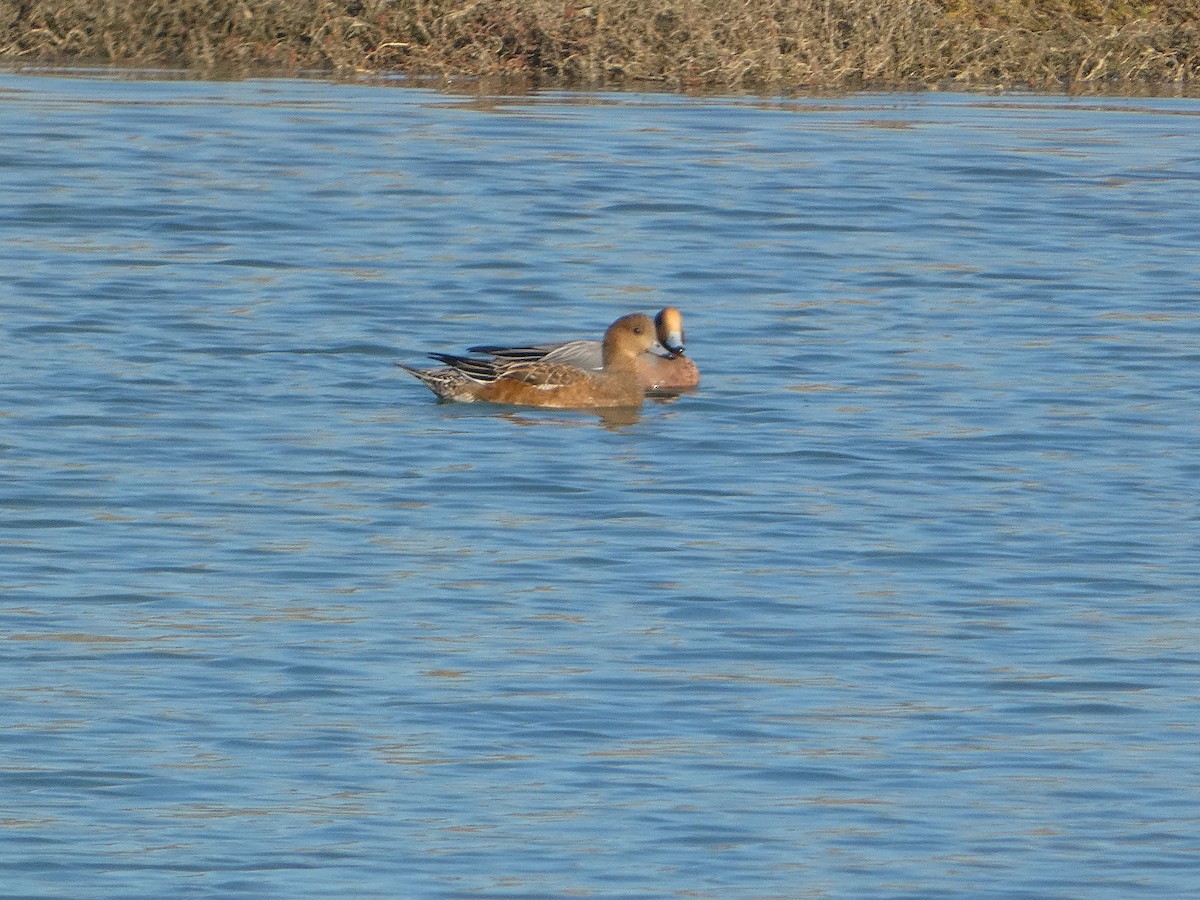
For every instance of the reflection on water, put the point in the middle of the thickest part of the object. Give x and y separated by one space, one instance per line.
900 602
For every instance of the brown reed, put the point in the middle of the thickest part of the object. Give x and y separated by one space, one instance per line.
1085 45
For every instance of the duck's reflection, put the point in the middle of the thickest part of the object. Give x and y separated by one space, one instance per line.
612 418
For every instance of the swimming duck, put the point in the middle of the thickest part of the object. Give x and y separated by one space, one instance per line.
551 383
672 372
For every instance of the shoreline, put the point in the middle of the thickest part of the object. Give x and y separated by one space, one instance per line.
518 86
761 47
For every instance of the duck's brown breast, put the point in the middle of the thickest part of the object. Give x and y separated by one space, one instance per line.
657 373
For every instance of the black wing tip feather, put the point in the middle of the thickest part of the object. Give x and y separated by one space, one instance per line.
480 369
521 354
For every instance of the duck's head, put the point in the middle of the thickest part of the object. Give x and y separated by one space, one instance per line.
628 337
668 325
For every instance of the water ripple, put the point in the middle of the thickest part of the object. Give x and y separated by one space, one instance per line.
900 603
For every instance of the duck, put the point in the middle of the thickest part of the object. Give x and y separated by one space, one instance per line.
672 372
547 382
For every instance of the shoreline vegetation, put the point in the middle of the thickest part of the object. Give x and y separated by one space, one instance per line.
1082 46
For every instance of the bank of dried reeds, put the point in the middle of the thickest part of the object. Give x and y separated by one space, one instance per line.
729 44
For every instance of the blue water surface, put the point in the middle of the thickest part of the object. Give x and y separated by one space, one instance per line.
901 603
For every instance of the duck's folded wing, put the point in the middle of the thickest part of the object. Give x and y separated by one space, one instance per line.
545 375
581 353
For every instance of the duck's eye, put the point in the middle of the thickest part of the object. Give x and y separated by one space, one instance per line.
637 329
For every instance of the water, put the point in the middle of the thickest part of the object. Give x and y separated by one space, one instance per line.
902 603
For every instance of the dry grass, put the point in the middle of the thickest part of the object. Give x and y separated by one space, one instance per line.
730 44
